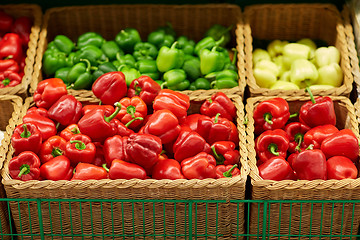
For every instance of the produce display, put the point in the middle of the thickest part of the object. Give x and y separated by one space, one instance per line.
175 62
305 145
14 39
140 131
297 65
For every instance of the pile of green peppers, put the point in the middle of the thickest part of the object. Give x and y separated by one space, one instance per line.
175 62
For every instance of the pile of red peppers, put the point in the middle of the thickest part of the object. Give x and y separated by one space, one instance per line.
306 145
140 131
14 39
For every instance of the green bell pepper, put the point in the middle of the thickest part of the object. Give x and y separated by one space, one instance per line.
186 45
51 46
200 83
159 82
175 79
153 76
224 83
80 76
216 31
70 59
168 28
110 49
169 58
211 61
127 39
130 73
102 69
62 73
145 50
91 53
232 64
90 38
226 73
192 68
161 37
52 61
126 59
64 44
146 66
207 43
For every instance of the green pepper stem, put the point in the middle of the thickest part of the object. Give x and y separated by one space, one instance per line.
268 117
88 64
235 56
137 88
75 130
6 81
133 120
24 169
131 110
174 45
26 133
307 89
228 173
294 115
219 158
56 152
273 149
227 29
57 125
217 118
210 100
220 41
299 138
113 115
105 167
123 32
79 144
310 147
246 121
164 84
118 55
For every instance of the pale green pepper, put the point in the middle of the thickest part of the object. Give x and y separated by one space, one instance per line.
294 51
260 54
330 75
275 48
303 73
283 85
326 55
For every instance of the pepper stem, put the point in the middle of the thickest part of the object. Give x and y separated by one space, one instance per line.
75 130
174 45
228 173
268 117
217 118
310 147
88 64
105 167
233 62
26 133
294 115
219 158
273 149
307 89
131 110
137 88
79 144
133 120
299 138
24 169
6 81
220 41
113 115
56 152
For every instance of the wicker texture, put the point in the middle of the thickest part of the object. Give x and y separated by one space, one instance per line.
346 189
293 22
220 189
34 12
188 20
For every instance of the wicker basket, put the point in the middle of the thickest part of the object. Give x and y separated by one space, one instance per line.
217 216
188 20
10 108
322 215
34 12
293 22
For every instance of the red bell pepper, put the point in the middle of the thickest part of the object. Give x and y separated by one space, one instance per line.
9 65
70 131
271 114
296 132
48 92
290 159
123 130
318 111
342 143
124 170
144 87
225 153
22 27
58 168
11 47
271 143
110 87
45 125
234 134
219 103
97 125
310 165
80 149
188 144
277 169
6 21
25 166
144 150
178 103
340 167
132 108
200 166
66 110
227 171
88 171
87 108
26 137
51 148
167 169
316 135
9 79
163 124
190 122
115 148
99 159
41 111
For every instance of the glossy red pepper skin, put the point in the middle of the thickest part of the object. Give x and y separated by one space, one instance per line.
99 159
316 135
45 125
320 112
9 65
222 171
190 122
110 87
6 21
80 149
310 165
26 137
41 111
144 87
88 171
271 143
11 47
188 144
27 165
51 148
219 103
224 152
120 169
108 109
277 169
132 108
200 166
70 131
340 167
176 102
163 124
271 114
22 27
167 169
122 130
9 79
48 92
66 110
296 132
58 168
115 148
144 150
342 143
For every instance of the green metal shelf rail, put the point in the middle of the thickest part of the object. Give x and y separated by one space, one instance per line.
190 223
